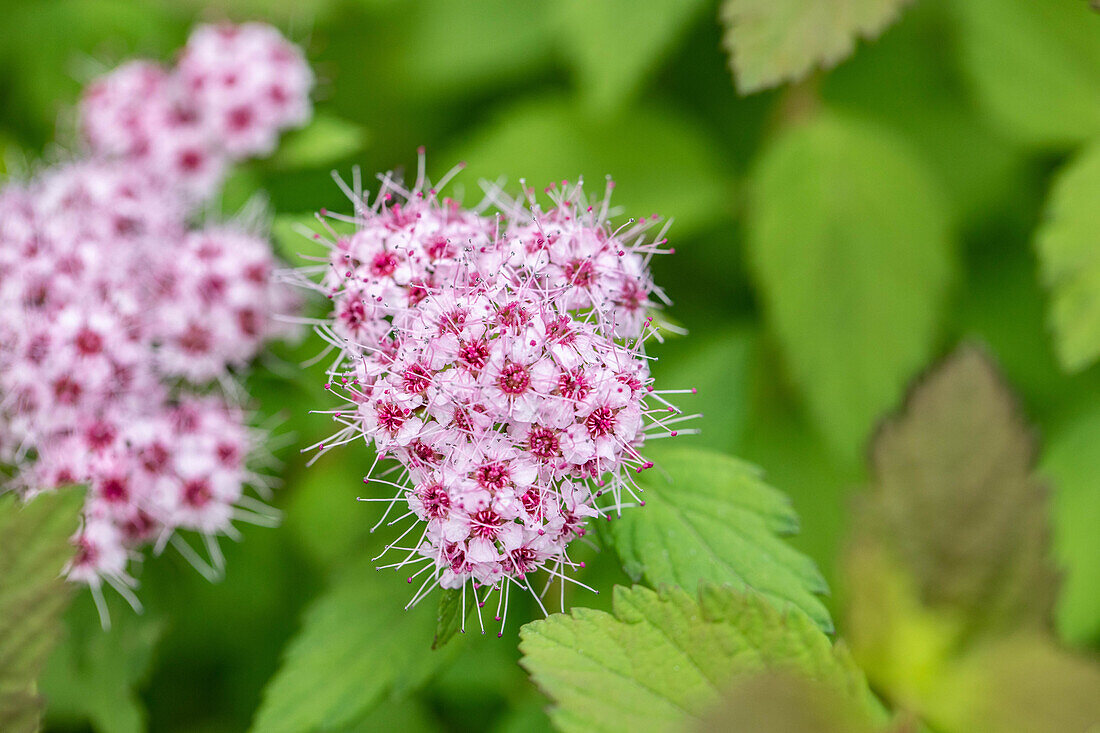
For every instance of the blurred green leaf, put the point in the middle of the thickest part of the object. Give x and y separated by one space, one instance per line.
451 47
849 241
662 659
902 645
450 616
34 549
614 44
52 46
773 41
953 493
546 140
906 82
716 365
1022 684
357 646
323 515
324 141
93 673
1072 461
1068 244
710 517
1034 65
407 715
529 717
782 702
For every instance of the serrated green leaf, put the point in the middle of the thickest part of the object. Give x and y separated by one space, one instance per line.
953 494
326 140
614 44
357 646
93 674
710 517
1020 684
1072 461
663 658
548 139
1035 66
1068 244
34 548
773 41
849 241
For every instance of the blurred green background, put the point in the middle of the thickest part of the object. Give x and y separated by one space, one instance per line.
959 117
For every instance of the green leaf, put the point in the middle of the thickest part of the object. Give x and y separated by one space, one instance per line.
450 616
440 55
773 41
1072 461
662 659
48 48
1068 245
954 495
1035 66
906 82
357 646
849 242
93 674
1021 684
548 139
716 365
709 517
613 45
325 141
34 549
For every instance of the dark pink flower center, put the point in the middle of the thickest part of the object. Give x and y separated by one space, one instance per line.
514 378
88 342
196 493
99 435
435 500
417 378
66 391
195 340
600 421
390 416
486 524
574 385
474 354
543 442
384 264
580 273
114 490
492 476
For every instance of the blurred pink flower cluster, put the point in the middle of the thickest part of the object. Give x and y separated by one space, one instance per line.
500 360
121 324
233 90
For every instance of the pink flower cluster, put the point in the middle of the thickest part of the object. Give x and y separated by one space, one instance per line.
500 360
233 90
116 315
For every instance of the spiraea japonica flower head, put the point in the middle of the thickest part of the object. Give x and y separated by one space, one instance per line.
123 326
498 358
235 89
